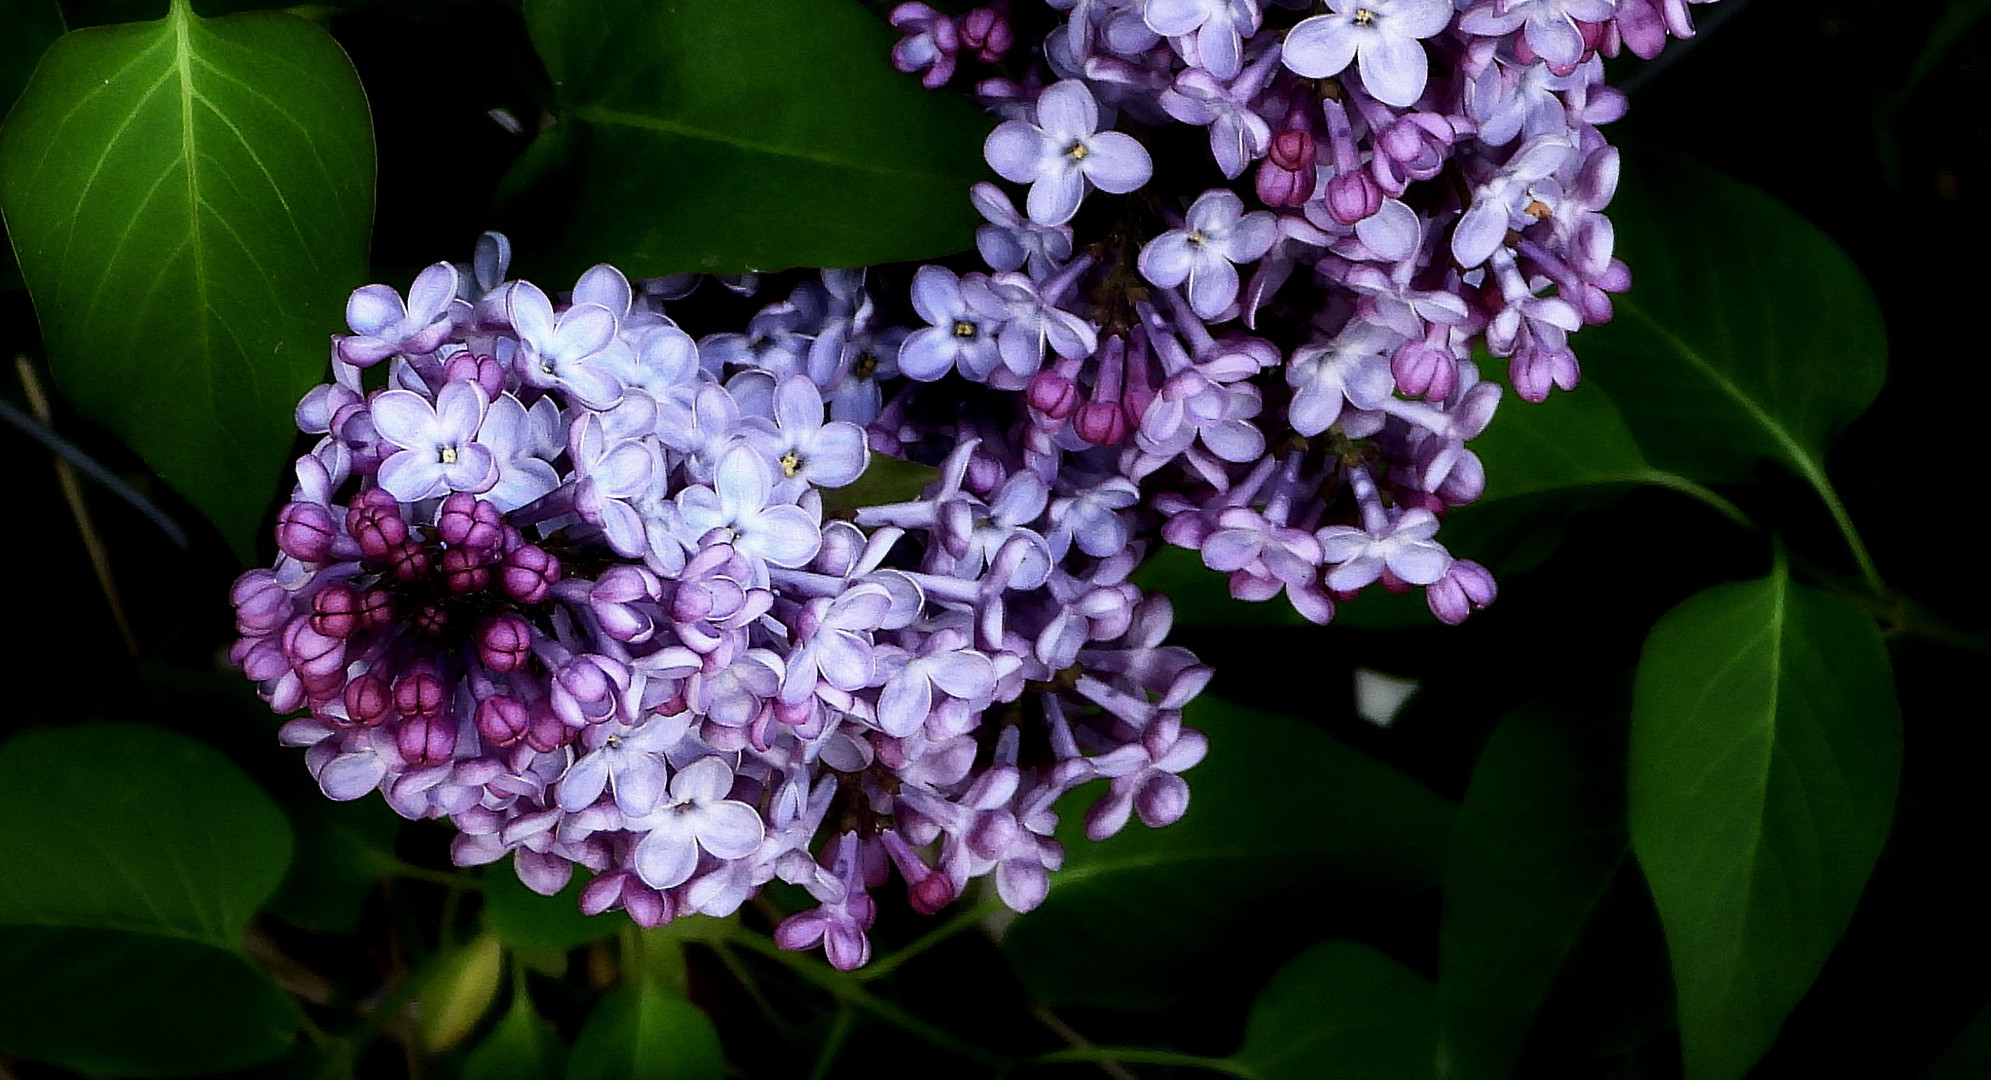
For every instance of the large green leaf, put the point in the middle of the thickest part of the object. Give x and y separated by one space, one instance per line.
33 26
643 1033
712 135
1342 1009
1766 748
522 1047
1539 838
128 1004
117 825
1748 334
1280 811
525 920
190 200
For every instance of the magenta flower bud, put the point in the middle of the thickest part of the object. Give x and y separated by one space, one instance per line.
502 720
374 520
407 560
1283 187
529 572
1101 422
463 570
419 692
305 531
485 371
1293 150
261 605
426 740
986 30
1353 196
310 651
504 643
1421 370
546 732
368 699
335 611
469 522
1054 395
431 619
1466 587
376 609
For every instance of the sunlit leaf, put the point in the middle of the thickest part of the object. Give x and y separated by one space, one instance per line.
1539 838
1342 1009
190 200
456 997
643 1033
1766 748
710 135
117 825
131 1004
1279 811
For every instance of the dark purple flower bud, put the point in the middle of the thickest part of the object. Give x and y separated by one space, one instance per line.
419 692
374 520
504 643
407 560
369 699
311 652
529 573
1353 196
1466 587
431 619
1054 395
1283 187
1101 422
426 740
335 611
1293 150
547 732
469 522
485 371
463 570
502 720
305 531
376 609
986 30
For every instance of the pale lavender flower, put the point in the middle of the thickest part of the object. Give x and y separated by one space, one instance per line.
696 815
439 448
382 325
1064 152
738 504
1402 546
958 337
1216 235
1381 37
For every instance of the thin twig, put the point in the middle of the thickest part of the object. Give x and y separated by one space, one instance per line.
1077 1041
72 493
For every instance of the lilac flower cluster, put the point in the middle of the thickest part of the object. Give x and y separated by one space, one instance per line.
1275 342
562 575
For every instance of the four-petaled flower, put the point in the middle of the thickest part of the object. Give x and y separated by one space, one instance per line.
1063 152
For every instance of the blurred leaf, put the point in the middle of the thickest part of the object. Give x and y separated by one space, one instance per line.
720 137
130 1004
458 995
129 827
1765 753
343 850
527 921
521 1047
1748 334
1281 812
886 479
1968 1056
190 201
643 1033
32 26
1342 1009
1539 839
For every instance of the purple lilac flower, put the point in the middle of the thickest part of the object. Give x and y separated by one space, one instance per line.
1381 37
1064 152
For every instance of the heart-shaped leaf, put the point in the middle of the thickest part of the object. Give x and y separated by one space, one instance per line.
190 200
1765 753
1278 809
1748 334
522 1047
1342 1009
715 136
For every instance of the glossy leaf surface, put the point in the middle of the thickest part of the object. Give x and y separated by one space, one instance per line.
715 136
190 200
1766 748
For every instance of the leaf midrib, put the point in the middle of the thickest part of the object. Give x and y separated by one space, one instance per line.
607 117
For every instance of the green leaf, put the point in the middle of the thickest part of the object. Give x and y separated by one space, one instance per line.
886 480
1342 1009
129 1004
135 828
32 27
1748 334
343 850
1539 839
1969 1054
521 1047
643 1033
718 136
1281 813
1765 753
461 991
530 922
190 201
